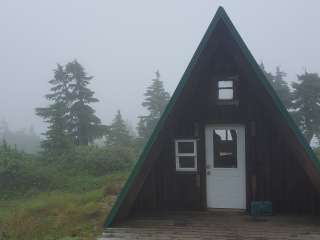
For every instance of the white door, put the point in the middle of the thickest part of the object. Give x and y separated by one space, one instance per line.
225 166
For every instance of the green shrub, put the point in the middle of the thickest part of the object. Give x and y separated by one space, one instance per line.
59 197
20 173
94 160
25 175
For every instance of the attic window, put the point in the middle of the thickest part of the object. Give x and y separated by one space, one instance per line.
186 155
225 90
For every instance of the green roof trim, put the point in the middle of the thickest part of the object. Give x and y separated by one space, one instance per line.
220 15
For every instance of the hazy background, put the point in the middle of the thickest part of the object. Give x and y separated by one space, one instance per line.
122 44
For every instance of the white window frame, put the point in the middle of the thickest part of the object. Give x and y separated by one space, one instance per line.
178 155
226 88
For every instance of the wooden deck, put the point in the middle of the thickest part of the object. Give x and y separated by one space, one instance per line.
216 225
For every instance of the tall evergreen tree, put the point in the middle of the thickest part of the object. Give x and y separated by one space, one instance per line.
70 117
282 88
60 90
57 137
143 131
156 98
56 114
280 85
118 134
85 125
306 104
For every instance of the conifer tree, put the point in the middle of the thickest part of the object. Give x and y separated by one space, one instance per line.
306 104
56 114
280 85
85 126
69 115
57 138
118 134
156 99
268 75
282 88
60 90
142 129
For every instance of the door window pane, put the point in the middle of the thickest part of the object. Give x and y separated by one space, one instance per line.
225 148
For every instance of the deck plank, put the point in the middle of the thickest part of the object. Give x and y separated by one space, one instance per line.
215 226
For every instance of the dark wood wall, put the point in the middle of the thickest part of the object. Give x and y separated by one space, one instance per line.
275 170
273 173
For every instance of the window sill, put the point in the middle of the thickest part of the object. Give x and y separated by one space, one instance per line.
186 170
182 171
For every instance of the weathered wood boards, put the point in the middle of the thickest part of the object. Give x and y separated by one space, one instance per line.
216 226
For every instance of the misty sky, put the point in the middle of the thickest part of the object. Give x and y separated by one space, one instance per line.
122 44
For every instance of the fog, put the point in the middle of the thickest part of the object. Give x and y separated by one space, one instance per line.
122 44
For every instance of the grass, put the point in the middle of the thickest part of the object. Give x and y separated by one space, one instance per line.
76 211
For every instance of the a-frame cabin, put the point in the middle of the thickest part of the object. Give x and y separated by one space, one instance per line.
224 140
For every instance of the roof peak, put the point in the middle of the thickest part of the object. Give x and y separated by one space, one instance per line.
220 8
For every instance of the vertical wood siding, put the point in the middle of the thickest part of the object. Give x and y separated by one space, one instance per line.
274 171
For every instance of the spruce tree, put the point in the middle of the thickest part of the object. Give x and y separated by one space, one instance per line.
118 134
56 114
60 91
85 126
280 85
282 88
268 75
156 99
306 104
142 129
57 138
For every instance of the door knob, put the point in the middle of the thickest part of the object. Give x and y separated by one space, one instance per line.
208 172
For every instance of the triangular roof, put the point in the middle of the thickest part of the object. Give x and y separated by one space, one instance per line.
220 16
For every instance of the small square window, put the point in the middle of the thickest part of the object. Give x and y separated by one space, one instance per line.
186 155
225 90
